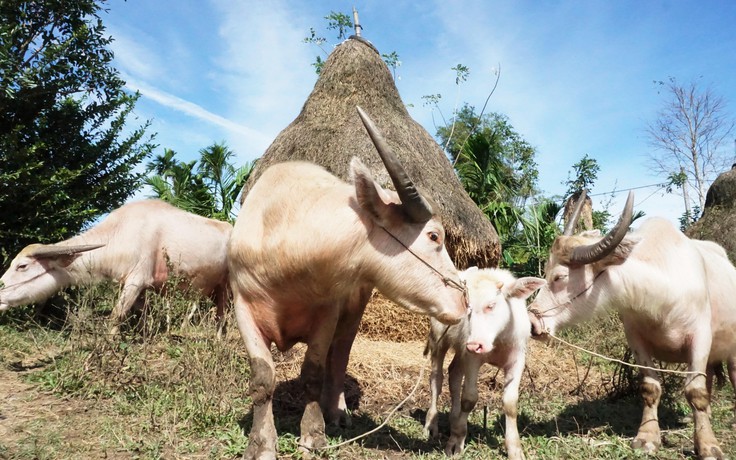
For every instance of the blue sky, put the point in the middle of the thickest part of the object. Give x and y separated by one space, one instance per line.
576 76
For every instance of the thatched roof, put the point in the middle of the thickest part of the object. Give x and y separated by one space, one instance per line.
329 132
718 222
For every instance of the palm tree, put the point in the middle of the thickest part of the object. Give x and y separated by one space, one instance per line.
528 250
224 180
209 188
490 182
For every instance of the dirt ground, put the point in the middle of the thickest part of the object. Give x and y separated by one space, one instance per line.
380 375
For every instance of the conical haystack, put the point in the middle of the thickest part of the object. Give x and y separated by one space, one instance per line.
329 132
718 222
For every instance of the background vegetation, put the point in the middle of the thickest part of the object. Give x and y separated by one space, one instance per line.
66 154
169 389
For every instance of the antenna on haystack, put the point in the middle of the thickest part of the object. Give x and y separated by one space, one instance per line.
358 27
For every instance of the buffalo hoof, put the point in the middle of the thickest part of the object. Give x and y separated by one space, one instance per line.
340 418
712 453
312 429
258 451
430 427
516 453
455 446
430 432
644 445
311 442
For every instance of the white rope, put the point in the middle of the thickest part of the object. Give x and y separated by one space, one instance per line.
386 420
598 355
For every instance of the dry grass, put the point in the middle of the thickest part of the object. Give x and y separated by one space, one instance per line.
174 391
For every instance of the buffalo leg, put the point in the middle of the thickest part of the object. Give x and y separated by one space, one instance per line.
130 292
262 443
437 356
220 298
462 405
512 373
648 438
696 392
333 392
312 427
732 378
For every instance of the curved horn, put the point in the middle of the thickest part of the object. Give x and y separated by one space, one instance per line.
418 209
594 252
53 250
572 222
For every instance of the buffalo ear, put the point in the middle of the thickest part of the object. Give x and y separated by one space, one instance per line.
371 197
60 260
65 261
524 287
464 273
623 250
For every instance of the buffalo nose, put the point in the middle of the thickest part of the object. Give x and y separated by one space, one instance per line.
475 347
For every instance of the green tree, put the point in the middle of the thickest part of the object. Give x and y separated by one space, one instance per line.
490 182
66 153
584 176
497 169
527 251
335 21
208 187
491 145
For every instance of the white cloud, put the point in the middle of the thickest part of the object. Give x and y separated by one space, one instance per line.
263 64
194 110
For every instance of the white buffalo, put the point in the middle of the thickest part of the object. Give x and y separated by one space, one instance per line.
496 331
135 245
676 299
306 251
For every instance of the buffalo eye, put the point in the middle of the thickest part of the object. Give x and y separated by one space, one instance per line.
559 277
434 236
21 267
489 308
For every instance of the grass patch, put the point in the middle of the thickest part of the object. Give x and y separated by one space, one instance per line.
167 388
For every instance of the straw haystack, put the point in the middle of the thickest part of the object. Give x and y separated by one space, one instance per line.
718 222
329 132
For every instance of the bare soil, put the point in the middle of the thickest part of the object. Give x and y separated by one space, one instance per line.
380 375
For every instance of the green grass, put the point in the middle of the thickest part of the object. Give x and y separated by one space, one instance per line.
167 389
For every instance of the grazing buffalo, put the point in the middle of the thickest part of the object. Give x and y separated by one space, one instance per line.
496 331
134 245
675 297
306 252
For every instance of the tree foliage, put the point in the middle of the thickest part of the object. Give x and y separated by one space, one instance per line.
208 187
584 176
689 137
496 167
491 145
66 156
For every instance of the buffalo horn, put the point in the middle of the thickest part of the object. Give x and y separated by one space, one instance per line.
53 250
572 222
418 209
594 252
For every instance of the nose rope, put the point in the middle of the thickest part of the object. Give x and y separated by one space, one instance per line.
448 281
9 286
557 305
